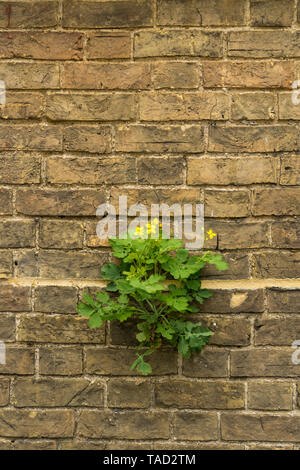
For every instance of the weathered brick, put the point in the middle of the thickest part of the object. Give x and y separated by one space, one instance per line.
237 170
102 107
290 170
5 264
276 331
286 233
51 391
288 109
210 363
271 12
262 427
90 171
280 265
274 201
80 444
60 264
41 45
110 14
92 239
238 267
4 392
60 360
245 74
194 445
234 301
5 201
159 170
201 13
22 14
229 331
106 76
26 75
177 43
241 234
27 444
261 44
27 423
128 394
175 75
226 203
66 329
34 137
19 360
55 299
259 362
156 138
124 424
253 139
244 106
94 139
14 298
108 45
283 300
178 106
18 168
22 106
118 361
17 233
72 202
63 234
196 426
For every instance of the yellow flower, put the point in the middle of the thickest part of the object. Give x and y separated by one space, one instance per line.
155 221
211 234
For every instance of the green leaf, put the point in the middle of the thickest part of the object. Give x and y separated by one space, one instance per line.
165 330
144 368
183 347
111 272
103 297
84 309
182 255
218 261
95 320
88 299
123 299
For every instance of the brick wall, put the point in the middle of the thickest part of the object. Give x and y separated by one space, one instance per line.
165 101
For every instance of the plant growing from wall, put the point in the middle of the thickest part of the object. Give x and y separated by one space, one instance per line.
158 284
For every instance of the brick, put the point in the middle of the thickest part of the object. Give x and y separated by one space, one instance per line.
19 168
184 42
175 75
106 76
93 139
196 426
276 331
194 445
34 137
24 75
17 233
259 362
55 299
41 45
240 234
27 444
14 298
229 331
27 423
22 106
60 234
262 427
160 170
287 109
253 139
157 138
178 106
271 13
234 301
92 239
283 300
77 107
111 14
19 360
226 203
286 234
128 394
28 15
124 424
283 201
52 392
262 44
61 265
109 45
238 267
210 363
90 171
112 361
244 106
279 265
76 444
298 394
4 392
236 171
72 202
5 201
66 329
245 74
60 360
201 13
5 264
290 170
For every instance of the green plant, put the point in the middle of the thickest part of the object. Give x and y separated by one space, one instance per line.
157 283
